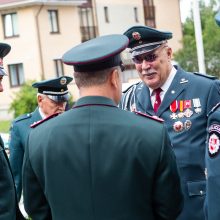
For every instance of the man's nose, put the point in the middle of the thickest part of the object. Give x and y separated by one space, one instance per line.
146 64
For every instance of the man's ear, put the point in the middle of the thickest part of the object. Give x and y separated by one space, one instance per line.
39 99
114 78
169 52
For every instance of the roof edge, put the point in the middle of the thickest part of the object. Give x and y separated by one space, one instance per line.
40 2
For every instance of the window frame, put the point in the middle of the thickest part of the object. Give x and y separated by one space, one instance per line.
54 21
18 76
13 24
106 14
136 14
59 66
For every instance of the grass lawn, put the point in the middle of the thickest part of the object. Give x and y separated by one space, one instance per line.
5 126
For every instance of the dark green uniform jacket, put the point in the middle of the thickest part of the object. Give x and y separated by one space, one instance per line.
8 201
19 133
98 162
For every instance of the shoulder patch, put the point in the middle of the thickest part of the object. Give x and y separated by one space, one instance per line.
205 75
214 140
129 87
22 117
214 108
149 116
35 124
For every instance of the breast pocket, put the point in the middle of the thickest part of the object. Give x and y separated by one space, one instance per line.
197 188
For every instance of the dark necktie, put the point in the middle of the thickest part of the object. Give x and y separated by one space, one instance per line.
157 99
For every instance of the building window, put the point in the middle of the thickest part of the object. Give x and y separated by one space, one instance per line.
59 67
149 13
54 23
10 22
136 14
16 74
106 14
87 26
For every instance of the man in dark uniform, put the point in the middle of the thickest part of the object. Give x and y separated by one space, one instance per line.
97 161
212 210
8 201
52 97
182 100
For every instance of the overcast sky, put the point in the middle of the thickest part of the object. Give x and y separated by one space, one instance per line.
185 8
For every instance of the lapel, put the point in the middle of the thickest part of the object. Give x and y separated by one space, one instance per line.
177 86
144 100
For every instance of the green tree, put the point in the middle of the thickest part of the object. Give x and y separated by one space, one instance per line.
25 100
187 57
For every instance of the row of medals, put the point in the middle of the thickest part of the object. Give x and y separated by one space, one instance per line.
179 126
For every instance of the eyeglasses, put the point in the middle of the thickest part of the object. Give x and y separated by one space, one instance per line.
147 57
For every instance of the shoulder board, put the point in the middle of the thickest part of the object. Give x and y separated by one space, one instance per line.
214 108
135 84
205 75
35 124
22 117
149 116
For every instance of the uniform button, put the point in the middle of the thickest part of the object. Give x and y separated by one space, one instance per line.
201 192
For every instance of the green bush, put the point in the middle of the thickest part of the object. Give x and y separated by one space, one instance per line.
4 126
25 100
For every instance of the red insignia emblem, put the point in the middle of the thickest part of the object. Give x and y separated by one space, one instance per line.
136 35
178 126
214 143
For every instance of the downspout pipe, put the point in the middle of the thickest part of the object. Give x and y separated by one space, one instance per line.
39 43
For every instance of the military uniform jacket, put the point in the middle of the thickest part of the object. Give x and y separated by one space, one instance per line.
99 162
8 202
184 109
213 165
18 133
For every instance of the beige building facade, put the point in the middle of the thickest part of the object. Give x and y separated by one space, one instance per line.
40 31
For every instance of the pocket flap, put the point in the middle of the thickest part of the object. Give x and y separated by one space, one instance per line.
197 188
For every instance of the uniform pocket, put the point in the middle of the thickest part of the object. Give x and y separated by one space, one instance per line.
197 188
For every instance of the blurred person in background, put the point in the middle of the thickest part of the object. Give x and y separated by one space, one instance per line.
52 98
9 209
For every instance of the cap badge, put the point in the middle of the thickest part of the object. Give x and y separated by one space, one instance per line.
63 81
136 35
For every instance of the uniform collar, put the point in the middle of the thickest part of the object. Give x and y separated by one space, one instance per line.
98 100
168 82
